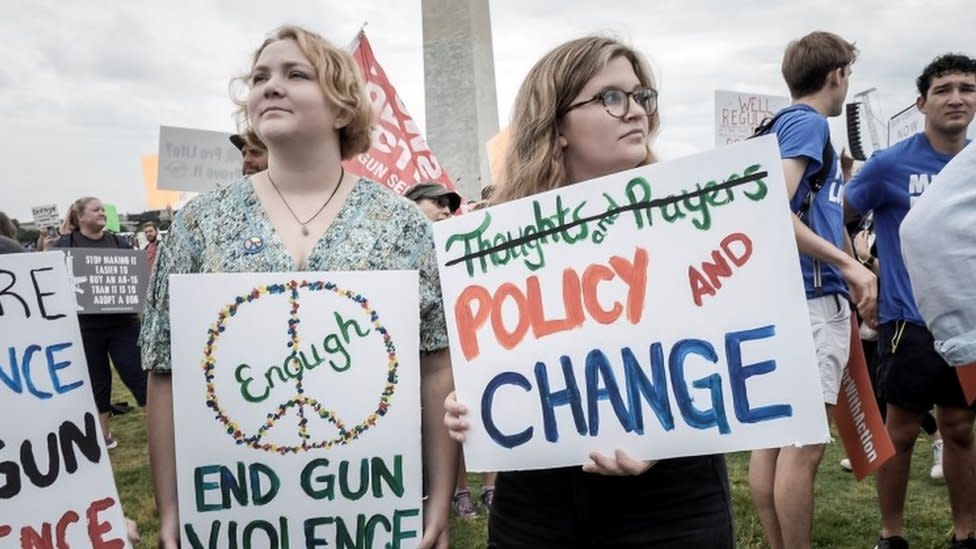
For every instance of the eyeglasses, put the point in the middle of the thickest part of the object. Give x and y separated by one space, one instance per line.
617 101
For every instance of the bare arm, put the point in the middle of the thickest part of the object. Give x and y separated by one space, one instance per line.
440 452
862 252
860 280
162 456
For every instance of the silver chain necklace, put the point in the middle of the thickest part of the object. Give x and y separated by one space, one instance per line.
304 224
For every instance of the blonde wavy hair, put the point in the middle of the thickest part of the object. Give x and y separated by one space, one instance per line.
534 161
73 221
338 76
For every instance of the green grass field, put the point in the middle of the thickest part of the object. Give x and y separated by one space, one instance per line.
846 511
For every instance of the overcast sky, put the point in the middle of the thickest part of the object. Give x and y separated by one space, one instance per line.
84 86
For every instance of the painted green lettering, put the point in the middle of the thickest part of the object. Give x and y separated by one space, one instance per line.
381 473
238 375
760 192
470 239
347 492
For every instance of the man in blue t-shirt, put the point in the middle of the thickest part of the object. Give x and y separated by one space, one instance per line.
912 376
817 70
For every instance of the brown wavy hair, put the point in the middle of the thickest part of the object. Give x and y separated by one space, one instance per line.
809 60
534 161
338 76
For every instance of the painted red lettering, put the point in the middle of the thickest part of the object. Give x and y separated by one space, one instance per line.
98 529
736 248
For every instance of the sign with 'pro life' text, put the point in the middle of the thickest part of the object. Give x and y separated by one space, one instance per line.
659 311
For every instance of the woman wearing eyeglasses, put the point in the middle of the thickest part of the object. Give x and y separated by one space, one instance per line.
589 109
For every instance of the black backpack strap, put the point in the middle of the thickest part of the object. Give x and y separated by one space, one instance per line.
818 179
65 241
766 125
119 241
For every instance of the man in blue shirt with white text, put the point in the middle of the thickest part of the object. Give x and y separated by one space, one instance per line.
912 376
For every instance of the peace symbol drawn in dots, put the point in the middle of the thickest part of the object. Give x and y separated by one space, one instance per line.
346 434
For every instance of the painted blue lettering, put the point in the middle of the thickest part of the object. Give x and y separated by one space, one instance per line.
12 381
656 392
53 367
487 399
597 366
739 373
25 366
699 419
549 399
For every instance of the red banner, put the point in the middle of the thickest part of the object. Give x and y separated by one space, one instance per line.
967 378
398 156
857 416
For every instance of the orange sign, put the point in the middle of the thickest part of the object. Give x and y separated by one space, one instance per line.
155 198
858 419
497 153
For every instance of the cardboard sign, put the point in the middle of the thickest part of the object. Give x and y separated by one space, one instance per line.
905 124
399 156
738 114
57 487
297 409
196 160
108 281
46 216
858 418
659 310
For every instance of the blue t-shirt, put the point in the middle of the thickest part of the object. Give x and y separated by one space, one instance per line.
889 183
802 133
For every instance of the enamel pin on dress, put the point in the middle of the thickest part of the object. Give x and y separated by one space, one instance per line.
253 245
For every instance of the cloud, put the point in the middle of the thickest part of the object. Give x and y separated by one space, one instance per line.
84 87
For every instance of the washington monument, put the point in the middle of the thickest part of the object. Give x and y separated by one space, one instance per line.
459 77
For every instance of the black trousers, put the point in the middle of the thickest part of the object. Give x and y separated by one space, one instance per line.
120 342
678 503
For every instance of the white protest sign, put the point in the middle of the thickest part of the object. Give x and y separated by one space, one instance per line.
905 124
46 216
56 485
196 160
297 409
659 310
738 114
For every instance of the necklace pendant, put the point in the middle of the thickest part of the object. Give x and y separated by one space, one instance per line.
304 230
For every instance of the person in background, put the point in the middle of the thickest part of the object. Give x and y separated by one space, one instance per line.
152 242
254 154
105 336
434 200
912 376
817 71
437 203
938 231
8 236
